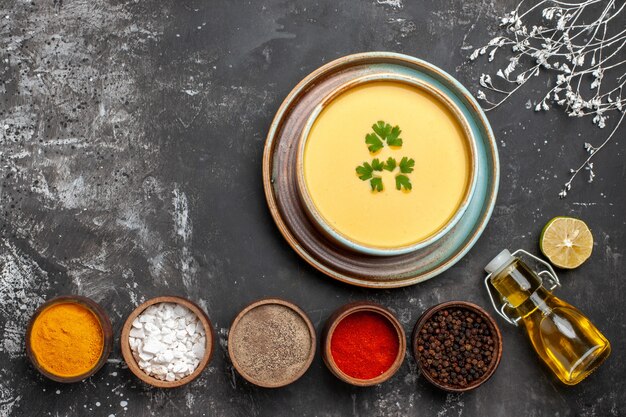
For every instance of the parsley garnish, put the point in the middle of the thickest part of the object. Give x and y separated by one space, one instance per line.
391 164
383 132
393 137
374 143
377 165
364 171
376 184
403 181
406 165
382 129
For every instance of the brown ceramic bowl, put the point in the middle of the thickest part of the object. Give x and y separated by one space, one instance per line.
495 331
130 359
342 313
255 313
105 324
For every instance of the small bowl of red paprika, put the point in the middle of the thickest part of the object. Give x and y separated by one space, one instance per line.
363 343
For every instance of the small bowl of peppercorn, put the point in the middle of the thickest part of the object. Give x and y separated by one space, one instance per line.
457 346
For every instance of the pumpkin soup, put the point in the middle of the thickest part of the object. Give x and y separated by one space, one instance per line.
387 164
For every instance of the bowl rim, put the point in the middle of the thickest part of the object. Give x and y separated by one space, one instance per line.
105 325
428 313
346 310
127 353
332 232
300 313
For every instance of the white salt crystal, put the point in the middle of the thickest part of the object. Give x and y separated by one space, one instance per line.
143 318
150 328
152 310
137 332
168 356
168 341
133 342
152 346
198 350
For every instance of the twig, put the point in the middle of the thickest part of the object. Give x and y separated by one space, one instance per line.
572 42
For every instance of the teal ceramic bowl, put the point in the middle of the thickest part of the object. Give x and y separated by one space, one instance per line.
304 236
346 241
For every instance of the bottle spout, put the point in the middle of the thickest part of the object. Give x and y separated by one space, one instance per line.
499 261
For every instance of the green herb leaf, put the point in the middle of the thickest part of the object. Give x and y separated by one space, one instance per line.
382 129
391 164
406 165
393 138
377 184
377 165
384 133
403 181
375 144
364 171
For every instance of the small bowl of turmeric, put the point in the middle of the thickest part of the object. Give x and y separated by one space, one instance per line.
69 338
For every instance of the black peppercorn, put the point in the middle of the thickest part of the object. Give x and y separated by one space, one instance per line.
455 347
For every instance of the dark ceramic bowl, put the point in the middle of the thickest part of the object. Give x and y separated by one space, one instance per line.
105 324
342 313
493 327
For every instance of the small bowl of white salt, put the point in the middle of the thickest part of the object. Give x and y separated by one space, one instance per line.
167 341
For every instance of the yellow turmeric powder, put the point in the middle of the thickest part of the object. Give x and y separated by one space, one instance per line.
67 339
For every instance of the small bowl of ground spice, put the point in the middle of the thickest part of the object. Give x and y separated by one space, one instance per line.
167 341
457 346
69 338
363 343
271 343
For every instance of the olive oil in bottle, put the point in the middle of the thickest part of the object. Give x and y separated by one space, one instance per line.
566 340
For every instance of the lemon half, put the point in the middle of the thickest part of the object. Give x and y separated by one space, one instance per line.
567 242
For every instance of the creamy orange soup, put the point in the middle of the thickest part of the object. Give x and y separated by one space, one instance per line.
431 135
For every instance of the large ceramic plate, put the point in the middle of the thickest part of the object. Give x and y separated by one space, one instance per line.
280 177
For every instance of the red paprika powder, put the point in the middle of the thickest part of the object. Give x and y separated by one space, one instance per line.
364 345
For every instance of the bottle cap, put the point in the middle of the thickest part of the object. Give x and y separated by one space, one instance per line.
502 259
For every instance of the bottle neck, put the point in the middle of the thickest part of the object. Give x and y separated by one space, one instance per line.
537 303
522 289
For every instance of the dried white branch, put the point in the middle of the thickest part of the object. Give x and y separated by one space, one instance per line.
581 45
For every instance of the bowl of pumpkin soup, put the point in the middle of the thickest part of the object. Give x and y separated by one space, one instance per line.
386 164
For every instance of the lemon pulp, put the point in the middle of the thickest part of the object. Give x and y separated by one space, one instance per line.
567 242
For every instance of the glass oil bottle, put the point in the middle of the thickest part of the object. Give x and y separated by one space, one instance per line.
567 341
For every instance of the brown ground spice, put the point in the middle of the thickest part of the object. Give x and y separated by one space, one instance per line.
271 343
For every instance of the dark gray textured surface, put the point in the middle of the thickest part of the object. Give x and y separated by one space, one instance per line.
130 152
